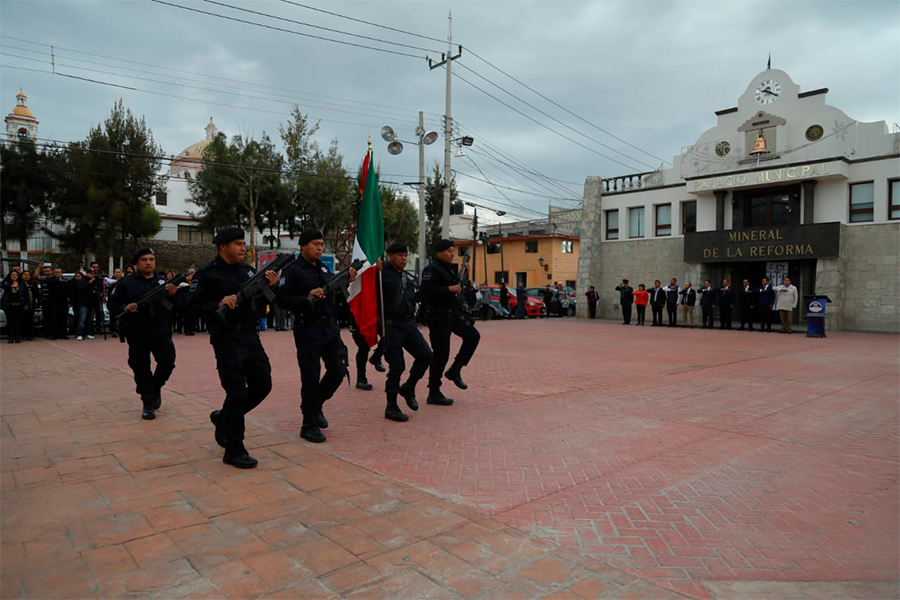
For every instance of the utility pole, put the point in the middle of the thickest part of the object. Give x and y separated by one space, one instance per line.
474 260
421 133
447 59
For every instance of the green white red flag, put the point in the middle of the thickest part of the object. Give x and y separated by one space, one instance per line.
368 246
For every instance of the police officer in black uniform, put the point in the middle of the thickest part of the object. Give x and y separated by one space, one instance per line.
440 290
244 370
399 296
316 332
147 332
362 353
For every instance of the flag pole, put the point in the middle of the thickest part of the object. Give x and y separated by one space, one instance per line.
380 280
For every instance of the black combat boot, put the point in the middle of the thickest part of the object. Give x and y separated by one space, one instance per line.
454 375
237 456
149 403
379 366
158 398
409 394
220 437
436 397
393 412
322 421
310 432
362 384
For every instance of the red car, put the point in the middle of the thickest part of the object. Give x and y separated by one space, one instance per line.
534 307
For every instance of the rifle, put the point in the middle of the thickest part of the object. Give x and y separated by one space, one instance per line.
463 278
257 286
158 295
340 282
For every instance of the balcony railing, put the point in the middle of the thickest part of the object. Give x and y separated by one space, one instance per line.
625 183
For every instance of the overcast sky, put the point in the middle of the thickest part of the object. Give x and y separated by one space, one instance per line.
651 73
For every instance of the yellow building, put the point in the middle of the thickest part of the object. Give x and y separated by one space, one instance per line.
534 259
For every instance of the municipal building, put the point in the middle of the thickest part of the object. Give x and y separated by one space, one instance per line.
782 185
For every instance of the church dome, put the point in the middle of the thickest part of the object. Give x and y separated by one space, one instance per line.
190 158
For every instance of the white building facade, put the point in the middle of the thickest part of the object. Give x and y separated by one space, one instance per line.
783 184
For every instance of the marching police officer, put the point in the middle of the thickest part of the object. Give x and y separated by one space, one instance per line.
362 353
244 370
316 332
399 297
440 289
146 331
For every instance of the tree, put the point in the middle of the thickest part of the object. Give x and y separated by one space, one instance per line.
434 204
241 181
112 177
29 181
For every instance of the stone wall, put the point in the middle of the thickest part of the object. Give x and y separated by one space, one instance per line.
871 278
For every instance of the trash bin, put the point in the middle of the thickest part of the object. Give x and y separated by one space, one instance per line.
815 315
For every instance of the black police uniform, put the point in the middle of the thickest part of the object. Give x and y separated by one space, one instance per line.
56 310
317 338
244 369
399 295
445 317
362 351
147 332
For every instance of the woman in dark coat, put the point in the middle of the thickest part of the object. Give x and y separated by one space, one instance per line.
14 302
34 295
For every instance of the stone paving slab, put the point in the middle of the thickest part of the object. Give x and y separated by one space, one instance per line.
98 503
706 462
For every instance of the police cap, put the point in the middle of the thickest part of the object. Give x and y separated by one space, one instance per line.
398 247
310 235
228 235
142 252
443 245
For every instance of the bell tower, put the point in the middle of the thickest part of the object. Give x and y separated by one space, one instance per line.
20 123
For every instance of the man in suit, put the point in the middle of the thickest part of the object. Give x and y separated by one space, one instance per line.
657 302
626 299
766 302
707 304
672 300
747 302
725 297
688 300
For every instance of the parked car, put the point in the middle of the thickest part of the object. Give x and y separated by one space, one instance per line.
562 304
534 307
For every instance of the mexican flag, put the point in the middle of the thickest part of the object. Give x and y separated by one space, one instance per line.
368 246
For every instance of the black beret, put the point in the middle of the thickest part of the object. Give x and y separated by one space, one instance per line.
140 253
443 245
229 234
624 281
310 235
397 247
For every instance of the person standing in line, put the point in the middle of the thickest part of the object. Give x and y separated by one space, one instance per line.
547 297
673 298
15 303
34 293
626 299
521 299
641 298
785 304
399 293
747 303
58 302
725 297
707 305
440 290
45 274
592 297
657 302
688 301
504 296
317 336
766 302
243 365
146 331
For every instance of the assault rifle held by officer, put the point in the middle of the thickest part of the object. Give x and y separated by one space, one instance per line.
159 295
257 286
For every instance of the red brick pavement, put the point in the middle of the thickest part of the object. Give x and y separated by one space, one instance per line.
704 461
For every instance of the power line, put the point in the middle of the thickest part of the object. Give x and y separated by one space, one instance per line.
515 170
561 107
474 164
195 74
275 28
509 187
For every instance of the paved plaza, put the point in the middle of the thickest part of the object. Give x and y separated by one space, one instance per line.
586 460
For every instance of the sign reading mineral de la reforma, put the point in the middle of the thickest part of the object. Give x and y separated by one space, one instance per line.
785 242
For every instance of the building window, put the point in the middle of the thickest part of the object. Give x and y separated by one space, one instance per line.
636 222
862 202
570 283
190 233
493 248
664 219
689 216
531 247
894 199
612 224
501 277
522 278
567 247
162 198
769 210
462 250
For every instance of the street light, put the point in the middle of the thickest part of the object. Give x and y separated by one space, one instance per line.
394 148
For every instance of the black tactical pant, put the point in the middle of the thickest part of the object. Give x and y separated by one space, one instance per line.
672 309
402 336
439 329
245 375
317 344
626 313
362 354
143 341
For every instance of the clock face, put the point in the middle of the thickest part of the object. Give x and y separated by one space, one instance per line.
768 91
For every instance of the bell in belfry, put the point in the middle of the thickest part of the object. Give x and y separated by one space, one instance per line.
759 146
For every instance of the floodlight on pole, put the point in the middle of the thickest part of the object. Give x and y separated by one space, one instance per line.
387 134
395 148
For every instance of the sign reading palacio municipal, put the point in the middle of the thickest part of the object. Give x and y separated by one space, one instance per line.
769 176
822 240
